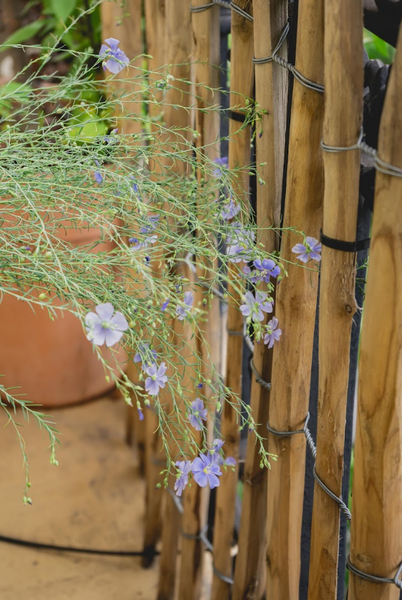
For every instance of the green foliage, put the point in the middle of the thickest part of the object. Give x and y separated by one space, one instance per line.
377 48
47 187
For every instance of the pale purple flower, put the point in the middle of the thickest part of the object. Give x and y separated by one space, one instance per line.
165 305
197 414
156 378
137 244
240 243
206 471
221 163
114 59
254 306
309 250
182 311
230 209
98 177
140 414
184 469
152 223
104 326
217 458
265 269
272 334
145 355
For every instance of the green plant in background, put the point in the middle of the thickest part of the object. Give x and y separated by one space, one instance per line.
66 165
377 48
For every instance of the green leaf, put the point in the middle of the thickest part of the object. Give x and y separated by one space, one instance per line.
63 8
24 33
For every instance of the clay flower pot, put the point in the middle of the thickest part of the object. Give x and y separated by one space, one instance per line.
52 362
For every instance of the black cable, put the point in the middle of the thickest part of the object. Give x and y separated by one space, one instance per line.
40 546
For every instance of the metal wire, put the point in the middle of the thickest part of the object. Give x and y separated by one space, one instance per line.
397 580
287 65
226 4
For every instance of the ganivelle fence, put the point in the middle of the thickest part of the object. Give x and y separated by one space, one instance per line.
309 154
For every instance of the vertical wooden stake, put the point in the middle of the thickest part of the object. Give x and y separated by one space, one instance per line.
241 85
269 22
155 29
296 299
342 124
178 52
122 20
205 29
376 538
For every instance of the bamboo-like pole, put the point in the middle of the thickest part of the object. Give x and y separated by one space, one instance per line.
241 85
343 48
155 29
122 20
269 22
178 52
376 539
205 56
296 299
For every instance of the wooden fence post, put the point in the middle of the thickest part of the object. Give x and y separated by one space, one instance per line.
269 22
241 85
178 52
343 49
376 537
155 29
205 54
296 299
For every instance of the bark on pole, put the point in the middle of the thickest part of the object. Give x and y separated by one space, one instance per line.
205 75
122 20
376 536
178 53
269 22
155 29
241 85
342 124
295 309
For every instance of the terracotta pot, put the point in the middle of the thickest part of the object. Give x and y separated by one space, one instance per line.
52 362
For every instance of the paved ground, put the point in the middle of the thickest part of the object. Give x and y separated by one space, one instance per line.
95 498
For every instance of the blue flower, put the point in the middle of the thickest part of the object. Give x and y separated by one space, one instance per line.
114 59
145 355
230 210
309 250
272 334
140 414
182 311
217 458
206 472
137 244
156 378
98 177
104 326
183 471
240 243
222 164
198 413
265 269
165 305
254 306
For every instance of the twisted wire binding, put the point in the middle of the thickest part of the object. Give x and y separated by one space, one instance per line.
397 580
312 447
287 65
379 164
226 4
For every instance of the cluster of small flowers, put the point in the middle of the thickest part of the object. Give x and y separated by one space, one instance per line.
206 468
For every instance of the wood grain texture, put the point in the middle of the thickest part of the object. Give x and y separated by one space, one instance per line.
342 123
295 309
241 85
376 536
249 580
178 53
155 30
122 20
205 75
